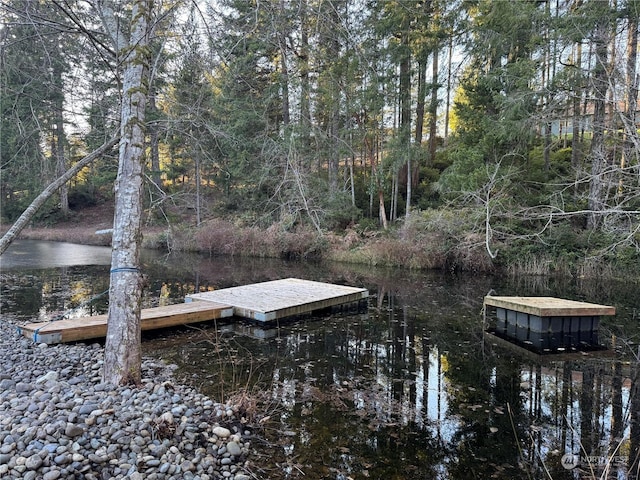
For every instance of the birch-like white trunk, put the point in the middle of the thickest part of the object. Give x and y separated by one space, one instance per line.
122 362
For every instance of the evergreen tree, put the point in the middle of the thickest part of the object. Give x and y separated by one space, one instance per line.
34 61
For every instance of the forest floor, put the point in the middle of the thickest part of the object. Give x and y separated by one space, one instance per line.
80 227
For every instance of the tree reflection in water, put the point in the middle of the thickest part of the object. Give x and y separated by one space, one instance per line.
411 388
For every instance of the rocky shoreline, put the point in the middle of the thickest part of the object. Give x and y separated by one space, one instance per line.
59 421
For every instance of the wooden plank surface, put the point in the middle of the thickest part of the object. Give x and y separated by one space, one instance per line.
85 328
268 301
549 306
260 301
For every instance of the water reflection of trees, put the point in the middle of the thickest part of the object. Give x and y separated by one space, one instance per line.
44 295
411 386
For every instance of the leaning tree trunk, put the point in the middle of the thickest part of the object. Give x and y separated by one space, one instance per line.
122 357
48 192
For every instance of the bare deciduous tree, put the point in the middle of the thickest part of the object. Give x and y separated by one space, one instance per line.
122 348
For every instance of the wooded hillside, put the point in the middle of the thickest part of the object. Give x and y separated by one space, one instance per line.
509 125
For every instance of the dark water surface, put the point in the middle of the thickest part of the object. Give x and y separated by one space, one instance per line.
409 388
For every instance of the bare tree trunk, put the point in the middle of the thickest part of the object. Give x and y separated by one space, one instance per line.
383 213
446 112
282 45
598 148
198 181
59 139
433 108
576 113
41 199
305 82
576 110
546 82
407 208
420 102
629 120
61 163
122 361
351 181
154 141
394 196
405 115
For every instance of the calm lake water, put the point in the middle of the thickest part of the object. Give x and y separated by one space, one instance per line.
410 387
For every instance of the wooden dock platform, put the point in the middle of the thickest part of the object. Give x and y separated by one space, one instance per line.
265 302
87 328
549 306
547 324
278 299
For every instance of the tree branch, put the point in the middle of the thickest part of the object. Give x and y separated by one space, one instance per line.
40 200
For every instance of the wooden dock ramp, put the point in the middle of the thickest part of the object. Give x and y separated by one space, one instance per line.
278 299
87 328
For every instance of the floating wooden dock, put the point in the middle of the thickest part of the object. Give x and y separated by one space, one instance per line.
264 302
548 324
87 328
278 299
549 306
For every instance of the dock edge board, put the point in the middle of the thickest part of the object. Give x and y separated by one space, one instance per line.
71 330
548 306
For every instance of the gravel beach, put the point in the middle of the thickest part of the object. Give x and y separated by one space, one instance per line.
59 421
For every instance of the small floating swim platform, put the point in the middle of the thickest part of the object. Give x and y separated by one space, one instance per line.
547 324
279 299
88 328
549 306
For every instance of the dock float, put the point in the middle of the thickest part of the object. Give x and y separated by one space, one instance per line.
548 324
279 299
88 328
264 302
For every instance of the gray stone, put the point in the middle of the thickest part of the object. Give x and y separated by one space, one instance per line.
87 408
47 377
73 430
7 384
234 449
52 428
221 432
30 475
62 459
52 475
33 462
8 448
22 387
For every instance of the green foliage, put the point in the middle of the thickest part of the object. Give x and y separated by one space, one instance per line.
467 172
274 117
340 212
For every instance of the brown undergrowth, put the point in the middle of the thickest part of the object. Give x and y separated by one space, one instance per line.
426 242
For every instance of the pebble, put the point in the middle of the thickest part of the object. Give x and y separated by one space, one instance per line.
58 420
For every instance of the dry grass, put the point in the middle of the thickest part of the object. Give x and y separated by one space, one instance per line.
429 240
